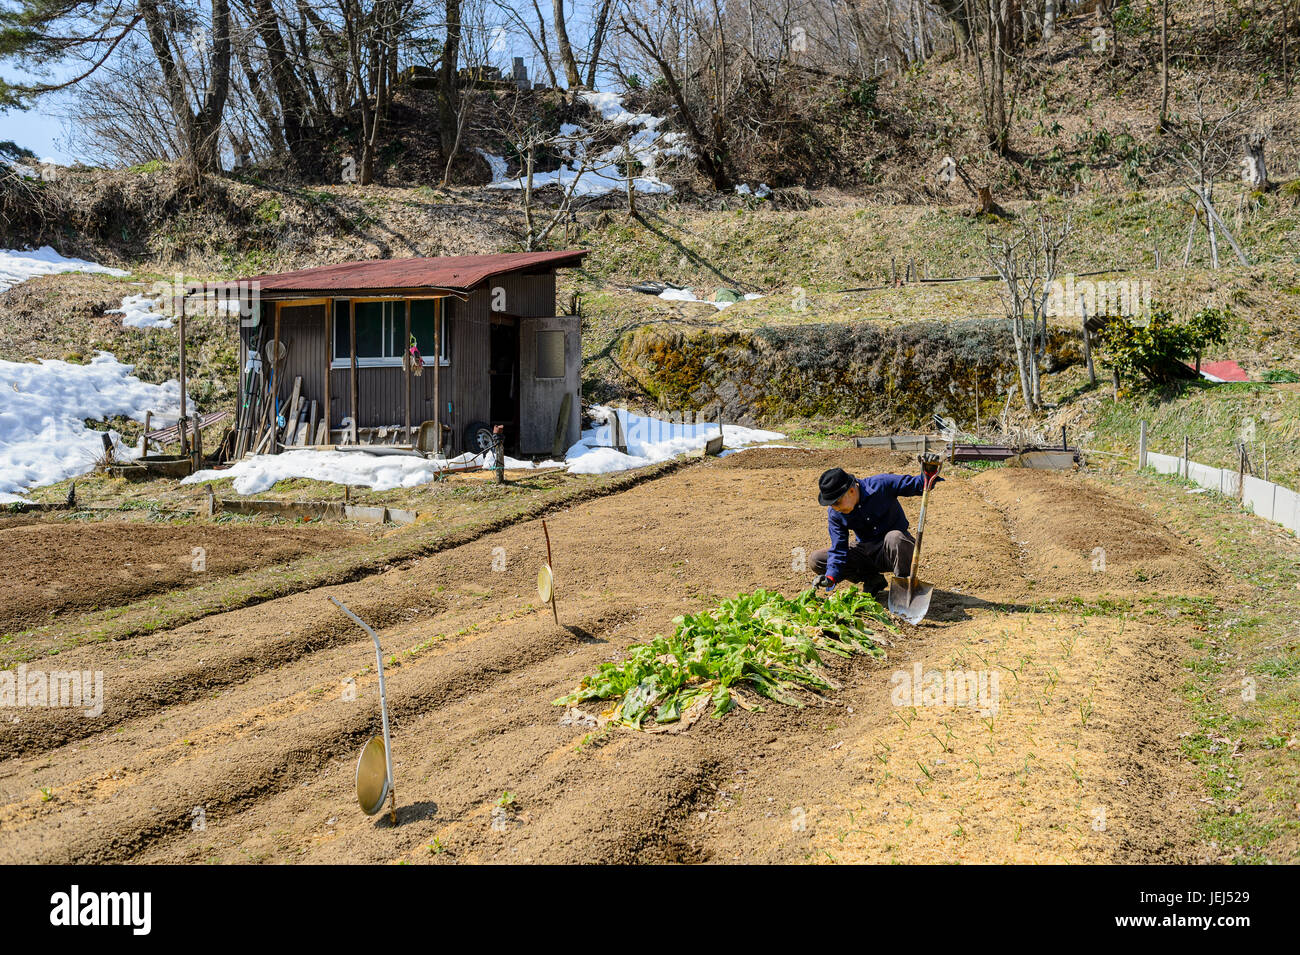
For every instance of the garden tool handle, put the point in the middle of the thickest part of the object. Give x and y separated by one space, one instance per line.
930 470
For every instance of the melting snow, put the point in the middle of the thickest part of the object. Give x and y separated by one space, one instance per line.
139 311
646 143
649 441
688 295
496 163
18 266
43 408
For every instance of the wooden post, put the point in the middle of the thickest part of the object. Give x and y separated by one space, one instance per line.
144 436
352 352
1187 445
180 422
329 363
1241 470
1064 445
1115 382
1087 342
1157 251
437 374
407 358
275 382
211 500
1142 443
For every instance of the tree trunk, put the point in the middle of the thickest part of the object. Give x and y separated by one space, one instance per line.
597 42
571 74
1163 122
448 93
298 136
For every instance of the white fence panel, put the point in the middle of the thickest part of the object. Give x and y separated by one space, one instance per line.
1258 496
1267 500
1286 508
1206 476
1165 463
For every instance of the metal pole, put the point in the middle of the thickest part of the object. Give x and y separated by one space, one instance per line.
180 422
1142 443
1187 443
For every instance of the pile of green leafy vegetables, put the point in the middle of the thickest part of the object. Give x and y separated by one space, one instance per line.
762 641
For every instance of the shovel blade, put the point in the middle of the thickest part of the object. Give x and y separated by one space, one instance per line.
915 609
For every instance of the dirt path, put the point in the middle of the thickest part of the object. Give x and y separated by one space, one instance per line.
234 738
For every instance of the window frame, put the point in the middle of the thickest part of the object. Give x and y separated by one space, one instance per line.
344 363
537 357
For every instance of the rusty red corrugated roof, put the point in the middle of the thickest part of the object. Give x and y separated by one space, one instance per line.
455 272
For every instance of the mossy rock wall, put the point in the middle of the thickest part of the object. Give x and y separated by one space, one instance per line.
897 375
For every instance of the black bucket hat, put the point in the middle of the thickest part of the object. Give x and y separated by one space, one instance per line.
833 485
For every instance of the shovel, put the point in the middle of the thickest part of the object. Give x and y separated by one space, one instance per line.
909 597
375 765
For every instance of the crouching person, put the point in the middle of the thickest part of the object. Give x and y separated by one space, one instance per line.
869 508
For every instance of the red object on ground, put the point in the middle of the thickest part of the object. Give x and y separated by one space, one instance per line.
1223 371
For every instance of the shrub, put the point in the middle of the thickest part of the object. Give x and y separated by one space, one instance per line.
1155 350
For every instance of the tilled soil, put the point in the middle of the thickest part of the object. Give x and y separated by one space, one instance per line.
234 738
50 568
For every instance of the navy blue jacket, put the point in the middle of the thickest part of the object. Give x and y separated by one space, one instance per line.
878 512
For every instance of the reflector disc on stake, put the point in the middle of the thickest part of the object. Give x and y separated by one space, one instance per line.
545 583
372 776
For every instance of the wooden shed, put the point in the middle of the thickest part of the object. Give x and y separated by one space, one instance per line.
371 351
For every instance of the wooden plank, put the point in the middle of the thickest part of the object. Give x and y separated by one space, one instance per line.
406 365
310 433
329 361
291 414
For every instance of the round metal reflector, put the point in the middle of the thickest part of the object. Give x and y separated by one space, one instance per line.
372 776
545 583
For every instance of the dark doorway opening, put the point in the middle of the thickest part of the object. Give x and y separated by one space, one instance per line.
503 375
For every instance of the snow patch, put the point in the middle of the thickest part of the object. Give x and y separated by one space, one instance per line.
645 142
20 265
688 295
44 406
139 311
650 440
496 163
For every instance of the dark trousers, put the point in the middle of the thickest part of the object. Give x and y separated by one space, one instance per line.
868 559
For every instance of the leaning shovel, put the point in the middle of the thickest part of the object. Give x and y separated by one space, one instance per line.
909 597
375 765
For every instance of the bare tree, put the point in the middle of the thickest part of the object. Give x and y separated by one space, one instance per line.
1207 146
190 69
1028 262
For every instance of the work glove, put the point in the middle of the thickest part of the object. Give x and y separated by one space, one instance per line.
824 581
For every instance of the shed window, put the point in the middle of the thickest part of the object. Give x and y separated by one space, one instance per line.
381 332
550 354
